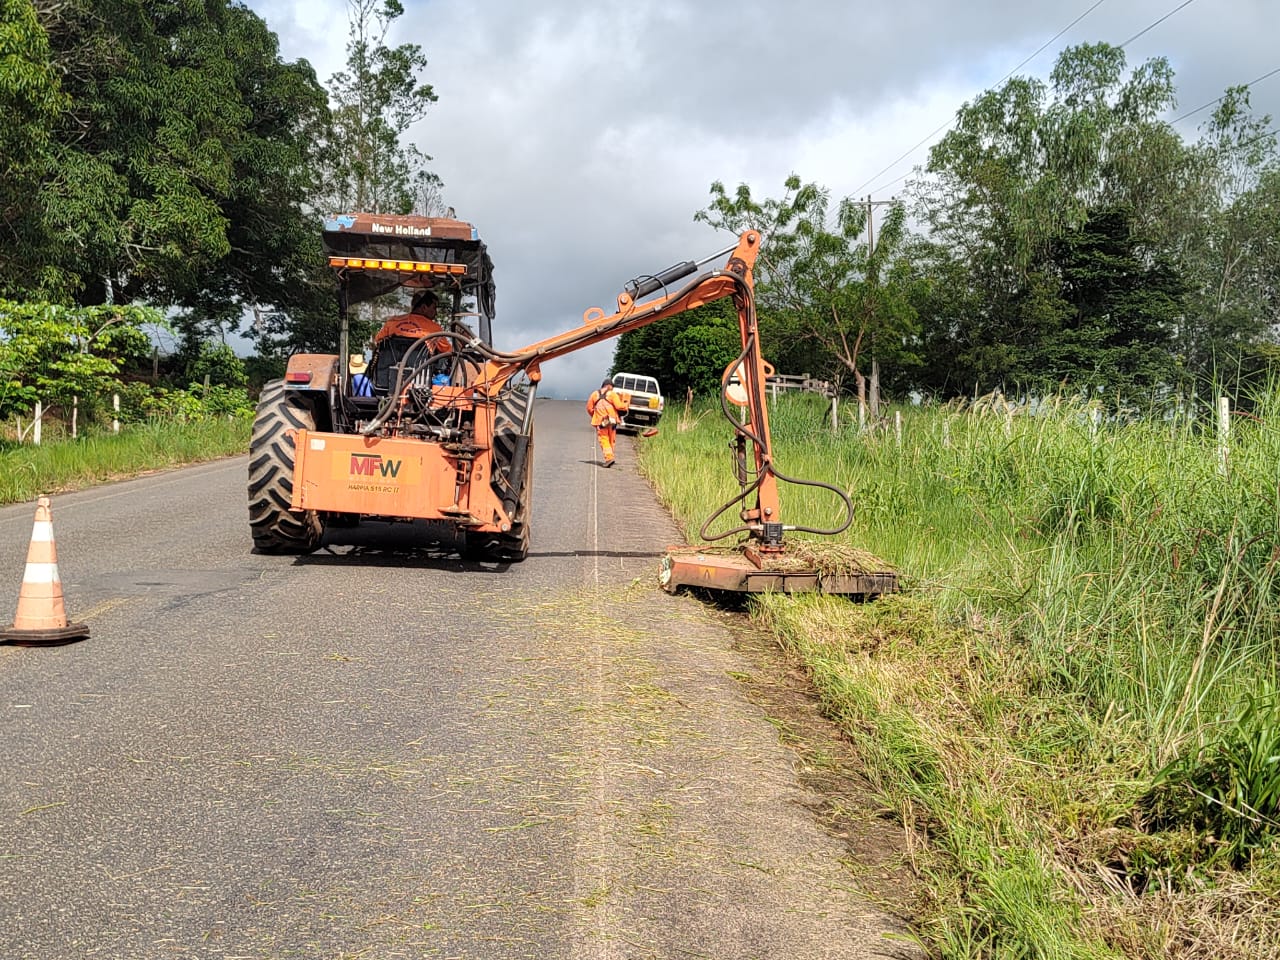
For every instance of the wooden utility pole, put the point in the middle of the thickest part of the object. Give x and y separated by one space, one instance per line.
875 367
871 227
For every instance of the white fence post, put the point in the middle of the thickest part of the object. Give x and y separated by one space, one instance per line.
75 417
37 424
835 419
115 419
1224 433
946 433
897 426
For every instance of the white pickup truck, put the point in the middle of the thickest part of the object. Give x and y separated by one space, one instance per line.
646 400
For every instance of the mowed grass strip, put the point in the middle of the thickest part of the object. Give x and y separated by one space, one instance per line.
1072 701
28 471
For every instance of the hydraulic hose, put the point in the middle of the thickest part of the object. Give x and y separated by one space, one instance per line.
742 433
388 405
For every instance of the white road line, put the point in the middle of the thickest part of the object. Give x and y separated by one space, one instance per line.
599 948
595 516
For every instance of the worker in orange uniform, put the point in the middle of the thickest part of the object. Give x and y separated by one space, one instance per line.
606 407
400 332
420 321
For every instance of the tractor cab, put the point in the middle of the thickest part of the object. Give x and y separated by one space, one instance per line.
374 255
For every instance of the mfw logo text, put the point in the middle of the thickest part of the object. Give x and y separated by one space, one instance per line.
373 465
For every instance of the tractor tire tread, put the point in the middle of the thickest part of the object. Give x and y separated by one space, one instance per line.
276 528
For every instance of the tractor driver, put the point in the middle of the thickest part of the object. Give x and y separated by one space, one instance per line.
420 321
400 332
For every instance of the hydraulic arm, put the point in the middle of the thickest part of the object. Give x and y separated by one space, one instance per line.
760 511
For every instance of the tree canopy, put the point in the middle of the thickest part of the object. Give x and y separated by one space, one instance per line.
164 152
182 159
1062 236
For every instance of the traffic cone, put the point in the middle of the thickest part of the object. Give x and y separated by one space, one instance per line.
42 617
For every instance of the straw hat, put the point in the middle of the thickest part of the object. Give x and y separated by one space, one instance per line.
357 364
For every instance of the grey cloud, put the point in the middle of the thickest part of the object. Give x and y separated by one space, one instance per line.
582 138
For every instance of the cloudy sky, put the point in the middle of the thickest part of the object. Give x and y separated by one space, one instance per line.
581 138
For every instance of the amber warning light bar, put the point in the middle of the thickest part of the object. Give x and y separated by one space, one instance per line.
398 266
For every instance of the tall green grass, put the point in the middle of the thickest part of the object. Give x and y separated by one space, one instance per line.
28 471
1076 677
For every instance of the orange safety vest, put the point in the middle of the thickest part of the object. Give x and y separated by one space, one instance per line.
607 410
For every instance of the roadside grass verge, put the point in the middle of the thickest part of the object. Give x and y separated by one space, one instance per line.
28 471
1072 700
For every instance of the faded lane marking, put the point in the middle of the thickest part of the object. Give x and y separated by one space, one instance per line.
591 883
187 474
106 606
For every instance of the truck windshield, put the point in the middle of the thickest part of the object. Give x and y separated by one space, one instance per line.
636 384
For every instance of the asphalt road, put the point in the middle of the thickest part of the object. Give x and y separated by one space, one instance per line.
383 751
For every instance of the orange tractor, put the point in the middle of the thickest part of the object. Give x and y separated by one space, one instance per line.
447 434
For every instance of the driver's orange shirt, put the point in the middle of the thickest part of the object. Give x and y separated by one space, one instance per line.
413 326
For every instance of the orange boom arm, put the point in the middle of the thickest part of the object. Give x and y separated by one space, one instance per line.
761 519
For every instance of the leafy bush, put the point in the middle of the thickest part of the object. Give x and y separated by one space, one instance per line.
219 363
142 403
51 353
1230 786
195 403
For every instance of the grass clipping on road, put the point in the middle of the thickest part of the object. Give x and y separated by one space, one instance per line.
1072 704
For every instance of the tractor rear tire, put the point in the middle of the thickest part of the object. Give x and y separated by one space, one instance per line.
508 422
510 547
513 546
276 528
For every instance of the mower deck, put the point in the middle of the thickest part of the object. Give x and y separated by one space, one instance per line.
747 571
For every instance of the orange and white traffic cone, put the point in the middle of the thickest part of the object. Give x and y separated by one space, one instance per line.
42 617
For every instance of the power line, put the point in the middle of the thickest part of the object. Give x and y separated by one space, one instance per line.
1206 106
1261 136
1146 29
1185 3
1045 45
1039 51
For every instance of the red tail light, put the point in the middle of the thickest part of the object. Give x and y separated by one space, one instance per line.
298 376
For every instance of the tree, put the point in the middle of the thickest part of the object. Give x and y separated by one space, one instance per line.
183 159
1231 252
687 351
31 102
1122 304
703 352
818 278
52 353
1011 191
367 164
